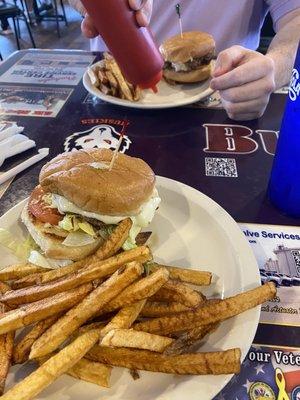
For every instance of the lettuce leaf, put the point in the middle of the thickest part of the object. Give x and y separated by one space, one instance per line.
20 248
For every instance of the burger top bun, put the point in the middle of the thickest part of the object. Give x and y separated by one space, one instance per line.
82 178
193 45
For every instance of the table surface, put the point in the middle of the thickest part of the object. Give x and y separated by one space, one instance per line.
174 143
197 144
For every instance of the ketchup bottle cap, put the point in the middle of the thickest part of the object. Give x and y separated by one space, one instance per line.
152 84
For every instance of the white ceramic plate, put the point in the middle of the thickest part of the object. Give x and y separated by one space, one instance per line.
189 230
168 96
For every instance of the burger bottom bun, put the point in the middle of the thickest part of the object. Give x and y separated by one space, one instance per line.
197 75
51 245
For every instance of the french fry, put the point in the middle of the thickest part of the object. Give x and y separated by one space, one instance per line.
154 309
88 307
89 327
63 361
57 365
137 340
95 271
174 291
52 275
210 313
139 290
115 241
108 78
40 310
4 287
113 66
220 362
86 370
6 346
19 271
199 278
125 317
137 93
102 77
6 350
92 73
22 349
95 373
111 79
188 339
91 371
104 88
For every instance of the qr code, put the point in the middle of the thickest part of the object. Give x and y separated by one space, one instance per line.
221 167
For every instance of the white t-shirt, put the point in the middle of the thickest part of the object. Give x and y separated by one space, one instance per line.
229 21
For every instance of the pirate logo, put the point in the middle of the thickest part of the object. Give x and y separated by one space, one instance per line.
296 393
100 136
261 391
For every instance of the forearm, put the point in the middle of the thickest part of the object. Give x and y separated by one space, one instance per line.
284 46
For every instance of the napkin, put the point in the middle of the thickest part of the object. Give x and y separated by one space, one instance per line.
8 129
14 145
12 142
42 153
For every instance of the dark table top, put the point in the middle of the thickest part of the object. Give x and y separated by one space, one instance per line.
197 144
189 144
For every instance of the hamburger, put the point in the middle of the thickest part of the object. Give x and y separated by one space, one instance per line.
79 201
188 58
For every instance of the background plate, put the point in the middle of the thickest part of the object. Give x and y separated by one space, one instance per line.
168 96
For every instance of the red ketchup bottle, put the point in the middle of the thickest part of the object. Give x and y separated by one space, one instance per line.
132 46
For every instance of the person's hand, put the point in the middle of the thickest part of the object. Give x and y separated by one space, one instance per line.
143 11
245 79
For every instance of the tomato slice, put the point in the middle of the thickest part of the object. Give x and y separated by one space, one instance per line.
41 210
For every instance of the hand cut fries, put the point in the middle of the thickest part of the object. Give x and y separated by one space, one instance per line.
64 360
6 346
78 315
154 309
91 371
137 340
65 305
210 313
49 276
19 271
95 271
125 317
30 313
116 240
179 292
6 351
221 362
139 290
57 365
108 78
189 339
22 349
199 278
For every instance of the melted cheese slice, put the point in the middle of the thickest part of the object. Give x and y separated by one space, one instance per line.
141 220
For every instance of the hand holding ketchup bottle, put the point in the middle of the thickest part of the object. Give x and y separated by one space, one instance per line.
133 47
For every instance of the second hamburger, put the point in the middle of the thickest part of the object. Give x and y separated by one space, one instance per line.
188 58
